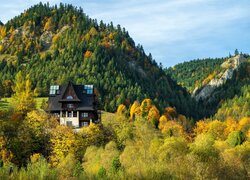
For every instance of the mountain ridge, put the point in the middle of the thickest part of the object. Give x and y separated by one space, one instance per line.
220 85
60 43
230 66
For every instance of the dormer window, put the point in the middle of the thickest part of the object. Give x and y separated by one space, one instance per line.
69 97
88 89
53 89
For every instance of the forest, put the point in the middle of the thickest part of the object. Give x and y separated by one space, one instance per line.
151 126
231 99
135 142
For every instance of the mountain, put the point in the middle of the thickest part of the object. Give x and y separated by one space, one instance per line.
1 24
61 43
218 78
191 74
220 85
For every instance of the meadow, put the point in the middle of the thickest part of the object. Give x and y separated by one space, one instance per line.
5 103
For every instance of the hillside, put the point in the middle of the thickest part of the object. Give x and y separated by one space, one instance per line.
1 24
190 74
221 85
57 44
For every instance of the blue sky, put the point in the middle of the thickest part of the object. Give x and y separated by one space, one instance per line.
172 30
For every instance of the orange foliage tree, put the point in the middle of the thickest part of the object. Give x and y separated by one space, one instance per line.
170 112
88 54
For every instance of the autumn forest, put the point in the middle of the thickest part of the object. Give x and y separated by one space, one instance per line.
189 121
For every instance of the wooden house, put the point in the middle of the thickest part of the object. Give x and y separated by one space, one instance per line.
74 105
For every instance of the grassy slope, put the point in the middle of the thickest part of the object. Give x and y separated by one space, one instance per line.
5 103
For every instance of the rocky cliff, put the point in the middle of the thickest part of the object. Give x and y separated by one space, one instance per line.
227 70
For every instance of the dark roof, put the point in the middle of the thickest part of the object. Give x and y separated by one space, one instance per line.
85 101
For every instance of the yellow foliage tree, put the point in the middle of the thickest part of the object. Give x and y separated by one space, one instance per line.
23 98
244 124
135 109
49 25
201 127
63 141
74 19
1 48
39 121
231 125
2 32
153 114
93 31
145 107
5 155
67 167
209 78
92 159
173 128
162 122
248 135
87 37
217 128
54 40
35 157
91 135
121 109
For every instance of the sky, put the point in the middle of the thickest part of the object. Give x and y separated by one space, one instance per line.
173 31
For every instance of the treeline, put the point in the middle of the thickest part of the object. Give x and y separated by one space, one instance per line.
60 43
237 107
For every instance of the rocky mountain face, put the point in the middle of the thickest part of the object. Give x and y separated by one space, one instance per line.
229 67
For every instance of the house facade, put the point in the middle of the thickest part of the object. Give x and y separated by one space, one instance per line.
74 105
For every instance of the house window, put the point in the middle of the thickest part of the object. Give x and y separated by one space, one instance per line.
70 106
69 123
69 97
63 114
53 89
88 89
85 114
69 114
74 114
84 124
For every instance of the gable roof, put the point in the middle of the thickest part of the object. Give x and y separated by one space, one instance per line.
70 86
85 101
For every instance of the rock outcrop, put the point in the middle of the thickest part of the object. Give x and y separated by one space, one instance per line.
46 39
229 67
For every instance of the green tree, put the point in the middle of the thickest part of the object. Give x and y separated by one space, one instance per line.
236 52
